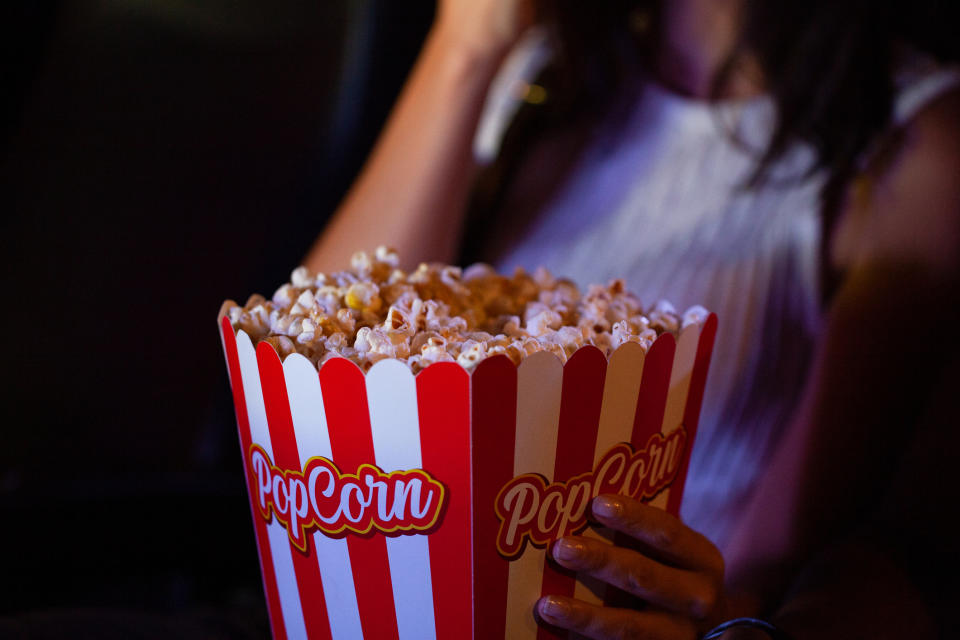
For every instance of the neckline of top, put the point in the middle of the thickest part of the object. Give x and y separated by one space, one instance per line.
750 117
658 92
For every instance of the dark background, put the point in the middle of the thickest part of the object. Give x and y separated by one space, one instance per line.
159 156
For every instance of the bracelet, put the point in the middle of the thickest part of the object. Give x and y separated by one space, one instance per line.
774 632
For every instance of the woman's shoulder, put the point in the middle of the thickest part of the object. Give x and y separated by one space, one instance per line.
919 80
905 206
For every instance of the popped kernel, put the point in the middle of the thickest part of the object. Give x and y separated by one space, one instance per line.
363 296
694 315
663 317
285 295
282 344
442 313
301 278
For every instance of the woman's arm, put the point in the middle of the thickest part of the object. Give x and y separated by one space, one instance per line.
411 192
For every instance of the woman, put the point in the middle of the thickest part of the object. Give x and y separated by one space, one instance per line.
763 159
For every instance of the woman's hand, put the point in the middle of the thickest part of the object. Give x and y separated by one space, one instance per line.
484 27
679 574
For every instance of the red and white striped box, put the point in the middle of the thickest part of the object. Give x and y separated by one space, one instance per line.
388 505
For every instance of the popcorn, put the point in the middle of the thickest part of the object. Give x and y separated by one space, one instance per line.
664 317
441 313
300 278
471 353
363 296
541 320
694 315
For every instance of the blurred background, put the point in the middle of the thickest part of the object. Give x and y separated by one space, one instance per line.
159 156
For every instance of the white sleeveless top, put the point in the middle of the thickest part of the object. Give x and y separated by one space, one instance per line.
659 202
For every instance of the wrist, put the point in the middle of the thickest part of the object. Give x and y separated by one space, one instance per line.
452 61
475 47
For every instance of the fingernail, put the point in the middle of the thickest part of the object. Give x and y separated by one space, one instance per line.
553 607
568 549
607 507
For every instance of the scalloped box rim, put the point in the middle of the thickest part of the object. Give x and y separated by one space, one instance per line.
224 323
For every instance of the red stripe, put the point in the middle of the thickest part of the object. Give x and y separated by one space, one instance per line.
443 400
259 526
654 386
493 433
691 412
348 419
283 441
580 403
651 405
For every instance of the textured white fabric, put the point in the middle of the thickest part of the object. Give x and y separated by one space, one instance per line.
659 201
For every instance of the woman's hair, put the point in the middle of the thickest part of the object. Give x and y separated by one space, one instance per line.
825 63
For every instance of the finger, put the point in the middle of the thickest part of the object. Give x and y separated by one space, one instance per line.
606 623
662 533
689 593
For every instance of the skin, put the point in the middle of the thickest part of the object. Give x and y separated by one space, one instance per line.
897 243
697 36
679 575
422 166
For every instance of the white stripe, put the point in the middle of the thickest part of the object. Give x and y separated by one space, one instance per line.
313 439
683 360
276 533
539 385
620 390
395 426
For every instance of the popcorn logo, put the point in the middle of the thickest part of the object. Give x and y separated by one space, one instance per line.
321 497
531 509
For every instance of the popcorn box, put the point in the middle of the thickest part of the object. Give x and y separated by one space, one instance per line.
388 505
